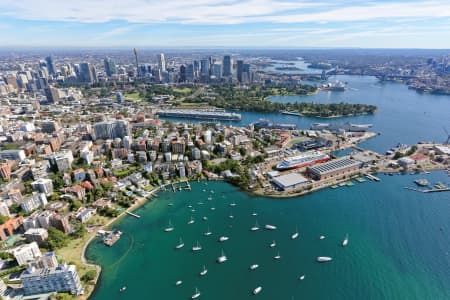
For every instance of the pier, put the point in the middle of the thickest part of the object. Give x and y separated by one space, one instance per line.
134 215
372 177
112 238
427 191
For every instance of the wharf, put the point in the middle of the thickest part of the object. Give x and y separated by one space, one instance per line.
134 215
427 191
112 238
372 177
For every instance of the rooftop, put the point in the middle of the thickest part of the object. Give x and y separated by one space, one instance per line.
334 165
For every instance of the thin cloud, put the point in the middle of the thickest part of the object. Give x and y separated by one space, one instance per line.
221 12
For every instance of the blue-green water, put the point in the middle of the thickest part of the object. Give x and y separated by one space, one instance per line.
399 240
404 115
399 245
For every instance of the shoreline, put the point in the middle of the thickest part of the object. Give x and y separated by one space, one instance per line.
140 201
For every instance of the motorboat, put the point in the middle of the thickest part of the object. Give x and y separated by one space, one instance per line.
122 288
254 214
257 290
323 259
345 241
205 218
270 227
273 244
179 282
232 204
301 277
213 208
223 238
322 237
191 221
295 234
253 267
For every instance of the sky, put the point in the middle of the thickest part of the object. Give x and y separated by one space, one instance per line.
225 23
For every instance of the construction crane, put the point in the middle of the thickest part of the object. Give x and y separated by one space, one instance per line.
448 137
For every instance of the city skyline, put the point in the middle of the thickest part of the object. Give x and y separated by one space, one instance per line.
204 23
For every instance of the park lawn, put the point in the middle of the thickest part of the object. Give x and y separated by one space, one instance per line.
185 91
133 96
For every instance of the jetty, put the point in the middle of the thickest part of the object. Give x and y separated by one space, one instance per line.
427 191
372 177
134 215
112 238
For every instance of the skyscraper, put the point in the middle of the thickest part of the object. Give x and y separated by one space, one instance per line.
162 62
226 66
85 73
182 74
110 67
50 65
190 75
204 67
239 70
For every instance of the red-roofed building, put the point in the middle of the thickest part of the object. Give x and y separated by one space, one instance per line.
87 185
10 227
420 158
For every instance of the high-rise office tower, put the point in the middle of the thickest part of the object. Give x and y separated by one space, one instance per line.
226 66
50 65
204 67
182 74
85 73
162 62
239 69
190 73
217 71
136 60
110 67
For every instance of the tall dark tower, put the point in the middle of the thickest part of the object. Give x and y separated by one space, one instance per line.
136 59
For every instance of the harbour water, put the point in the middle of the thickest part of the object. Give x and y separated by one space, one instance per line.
404 116
399 245
399 241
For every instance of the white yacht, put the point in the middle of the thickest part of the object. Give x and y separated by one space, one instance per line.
213 208
277 256
191 221
209 198
205 218
193 210
322 237
197 247
170 204
301 277
256 227
232 204
345 241
123 288
180 245
254 214
270 227
169 228
190 206
223 238
253 267
295 234
179 282
208 232
222 258
196 295
323 259
204 271
257 290
273 244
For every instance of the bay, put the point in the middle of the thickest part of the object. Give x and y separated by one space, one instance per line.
398 245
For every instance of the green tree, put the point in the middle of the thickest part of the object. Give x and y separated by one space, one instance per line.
3 219
56 238
89 275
